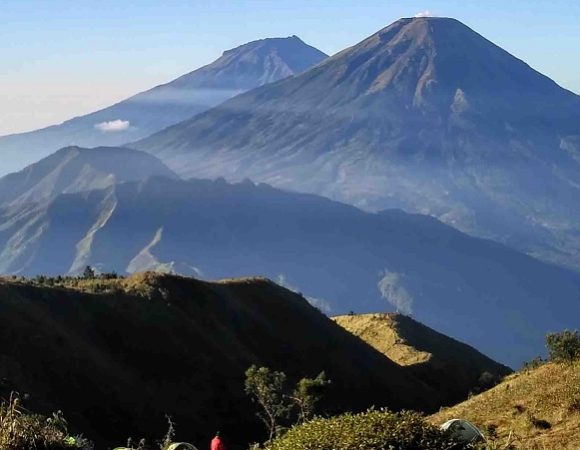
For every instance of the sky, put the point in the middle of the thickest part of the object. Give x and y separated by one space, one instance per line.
63 58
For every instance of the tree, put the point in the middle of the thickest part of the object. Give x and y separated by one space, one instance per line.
563 346
89 273
307 394
266 387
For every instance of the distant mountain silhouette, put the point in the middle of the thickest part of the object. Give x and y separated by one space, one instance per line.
340 257
75 169
236 71
425 115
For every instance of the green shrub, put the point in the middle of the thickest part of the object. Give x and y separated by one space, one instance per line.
564 346
533 364
373 430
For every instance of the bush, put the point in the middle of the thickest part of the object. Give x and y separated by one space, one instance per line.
533 364
564 346
373 430
540 424
22 431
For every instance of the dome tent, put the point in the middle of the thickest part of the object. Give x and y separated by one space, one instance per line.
181 446
172 446
463 430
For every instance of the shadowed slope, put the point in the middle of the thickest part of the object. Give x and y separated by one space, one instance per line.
116 356
443 363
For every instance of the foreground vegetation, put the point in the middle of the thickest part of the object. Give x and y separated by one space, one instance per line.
535 409
20 430
373 430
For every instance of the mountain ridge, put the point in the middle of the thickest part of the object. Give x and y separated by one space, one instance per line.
138 348
439 360
465 287
75 169
425 115
237 70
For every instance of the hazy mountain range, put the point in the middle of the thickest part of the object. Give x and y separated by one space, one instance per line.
426 115
340 257
236 71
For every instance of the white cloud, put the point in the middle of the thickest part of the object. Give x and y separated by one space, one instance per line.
425 13
113 126
392 289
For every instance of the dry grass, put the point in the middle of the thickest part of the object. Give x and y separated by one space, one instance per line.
450 367
380 331
536 409
142 283
20 430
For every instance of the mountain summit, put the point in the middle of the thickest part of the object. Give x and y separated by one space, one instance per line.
75 169
236 71
425 115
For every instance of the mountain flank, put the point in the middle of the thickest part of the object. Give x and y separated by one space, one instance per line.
76 169
474 290
237 70
442 362
532 409
425 115
117 355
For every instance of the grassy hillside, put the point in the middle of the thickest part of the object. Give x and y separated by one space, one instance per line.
451 367
117 355
540 408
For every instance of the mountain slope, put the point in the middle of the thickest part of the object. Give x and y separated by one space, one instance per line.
117 355
425 115
75 169
236 71
442 362
550 393
342 258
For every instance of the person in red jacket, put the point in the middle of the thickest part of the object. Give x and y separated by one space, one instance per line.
217 443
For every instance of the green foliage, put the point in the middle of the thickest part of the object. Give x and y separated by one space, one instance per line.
20 430
564 346
267 387
307 394
373 430
533 364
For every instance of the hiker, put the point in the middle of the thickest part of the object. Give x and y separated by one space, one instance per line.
217 443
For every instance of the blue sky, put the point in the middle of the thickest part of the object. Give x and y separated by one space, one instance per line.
60 58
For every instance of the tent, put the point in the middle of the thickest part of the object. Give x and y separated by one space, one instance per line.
463 430
173 446
181 446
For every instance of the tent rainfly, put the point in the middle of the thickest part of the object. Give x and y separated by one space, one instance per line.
463 430
172 446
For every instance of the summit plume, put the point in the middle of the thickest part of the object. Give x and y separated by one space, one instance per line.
425 115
